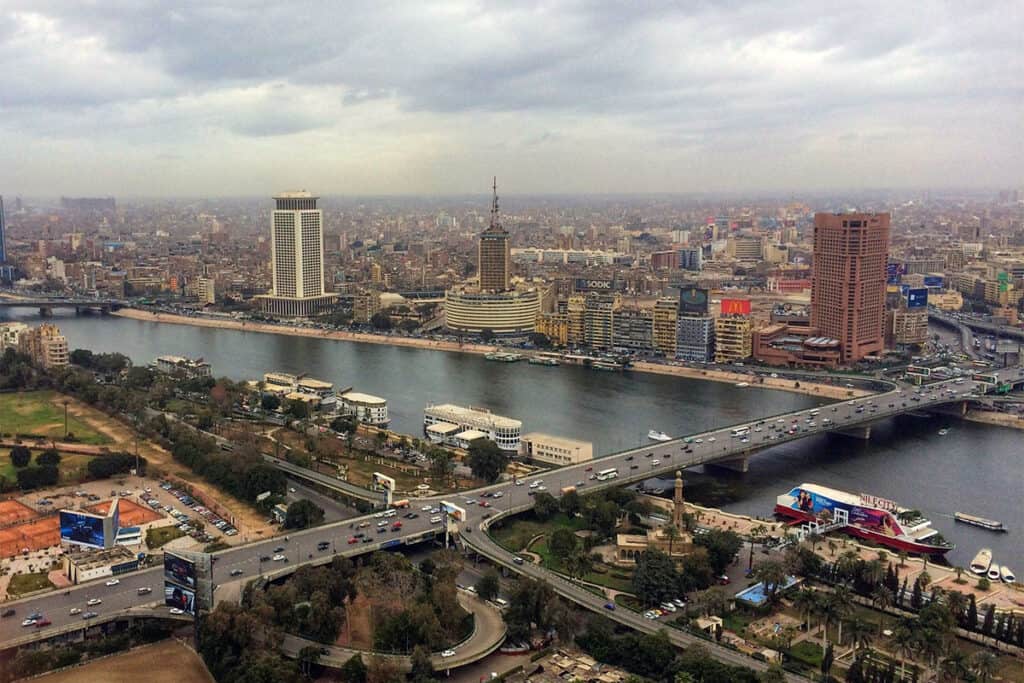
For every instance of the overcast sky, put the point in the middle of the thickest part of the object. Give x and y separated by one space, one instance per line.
201 98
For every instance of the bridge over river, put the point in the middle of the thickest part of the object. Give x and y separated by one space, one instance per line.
717 446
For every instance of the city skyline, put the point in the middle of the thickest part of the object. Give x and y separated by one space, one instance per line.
426 100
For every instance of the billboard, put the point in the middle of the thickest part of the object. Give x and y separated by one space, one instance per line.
823 509
582 284
453 511
693 300
180 571
933 280
382 481
83 529
181 598
735 307
894 272
917 298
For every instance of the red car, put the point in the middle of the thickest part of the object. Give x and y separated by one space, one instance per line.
43 622
589 469
484 504
352 539
396 526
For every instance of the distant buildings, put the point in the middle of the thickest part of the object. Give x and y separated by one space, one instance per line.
179 366
494 255
297 258
45 345
848 281
9 334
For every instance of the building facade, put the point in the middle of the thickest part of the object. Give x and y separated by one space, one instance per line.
695 338
666 318
367 409
732 339
633 329
45 345
504 313
494 253
504 431
599 320
848 281
179 366
555 450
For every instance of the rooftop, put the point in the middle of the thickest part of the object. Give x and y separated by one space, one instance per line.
454 413
357 397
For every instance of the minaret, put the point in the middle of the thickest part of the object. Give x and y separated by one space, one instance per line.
677 503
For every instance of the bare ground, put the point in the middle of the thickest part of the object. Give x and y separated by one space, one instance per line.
168 661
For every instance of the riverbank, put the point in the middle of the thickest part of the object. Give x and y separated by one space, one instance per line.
991 417
800 387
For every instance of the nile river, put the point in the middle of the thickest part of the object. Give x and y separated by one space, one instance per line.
975 468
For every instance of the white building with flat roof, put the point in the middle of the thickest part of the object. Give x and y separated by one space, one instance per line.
179 365
556 450
367 409
504 431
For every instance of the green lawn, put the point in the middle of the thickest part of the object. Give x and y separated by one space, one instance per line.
72 466
27 583
157 537
33 412
808 653
516 533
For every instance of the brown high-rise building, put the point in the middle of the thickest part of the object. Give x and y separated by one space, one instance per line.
495 255
848 281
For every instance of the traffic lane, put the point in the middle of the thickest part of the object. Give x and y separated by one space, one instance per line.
334 511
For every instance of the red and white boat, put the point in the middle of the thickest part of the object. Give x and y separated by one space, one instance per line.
869 517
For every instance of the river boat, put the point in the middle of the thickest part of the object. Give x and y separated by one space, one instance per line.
990 524
503 357
868 517
550 362
1006 574
993 572
981 562
742 385
655 435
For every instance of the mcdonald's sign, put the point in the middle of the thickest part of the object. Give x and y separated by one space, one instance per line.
735 307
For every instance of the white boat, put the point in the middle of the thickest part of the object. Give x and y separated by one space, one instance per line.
980 564
655 435
993 572
1007 574
741 385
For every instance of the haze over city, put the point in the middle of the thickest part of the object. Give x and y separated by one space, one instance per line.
152 99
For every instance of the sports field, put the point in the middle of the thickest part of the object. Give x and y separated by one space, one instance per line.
41 413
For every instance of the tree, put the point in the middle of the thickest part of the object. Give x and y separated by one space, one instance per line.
842 604
826 661
381 321
722 547
984 665
309 657
654 579
20 456
881 598
270 402
303 514
422 669
298 409
773 674
545 506
486 460
758 533
862 634
353 671
772 574
562 543
486 335
48 457
671 533
489 585
540 340
570 503
806 601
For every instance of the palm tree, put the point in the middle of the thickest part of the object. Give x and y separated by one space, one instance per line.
862 634
903 558
847 565
956 603
959 571
983 664
772 575
842 606
832 548
826 612
881 598
806 602
954 666
756 534
905 643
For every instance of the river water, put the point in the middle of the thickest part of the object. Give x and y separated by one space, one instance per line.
974 468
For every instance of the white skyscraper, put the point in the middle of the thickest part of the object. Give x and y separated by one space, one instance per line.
297 257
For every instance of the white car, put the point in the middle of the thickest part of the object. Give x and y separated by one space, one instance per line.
435 519
448 653
75 610
175 610
113 582
711 439
29 622
698 440
93 601
278 558
425 508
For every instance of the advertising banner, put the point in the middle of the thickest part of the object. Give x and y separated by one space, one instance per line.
181 598
894 273
735 307
823 508
933 280
917 298
582 284
693 300
81 529
180 571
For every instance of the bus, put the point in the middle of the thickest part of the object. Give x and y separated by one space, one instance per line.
740 431
605 475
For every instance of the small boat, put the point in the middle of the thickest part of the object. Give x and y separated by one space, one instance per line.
655 435
550 362
742 384
990 524
944 431
993 572
1006 574
980 564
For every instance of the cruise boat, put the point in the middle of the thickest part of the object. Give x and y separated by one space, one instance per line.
1006 574
993 572
871 518
990 524
981 562
655 435
539 360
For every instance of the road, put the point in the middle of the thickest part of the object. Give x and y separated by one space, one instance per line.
631 466
334 511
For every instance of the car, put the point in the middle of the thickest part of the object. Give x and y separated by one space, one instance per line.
668 607
589 469
93 601
264 558
367 539
279 558
145 590
382 530
113 582
236 572
9 612
90 615
609 606
175 610
679 602
75 610
711 439
698 440
28 622
471 589
724 580
634 467
43 622
291 489
448 653
436 519
382 522
279 549
518 560
425 508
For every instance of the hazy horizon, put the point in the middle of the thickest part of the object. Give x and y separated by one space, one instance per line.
154 100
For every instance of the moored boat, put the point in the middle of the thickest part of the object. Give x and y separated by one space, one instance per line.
868 517
993 572
655 435
550 362
990 524
1006 574
981 562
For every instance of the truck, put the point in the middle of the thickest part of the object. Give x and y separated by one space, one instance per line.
568 489
400 504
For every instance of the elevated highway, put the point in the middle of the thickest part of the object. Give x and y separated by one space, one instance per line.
633 465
